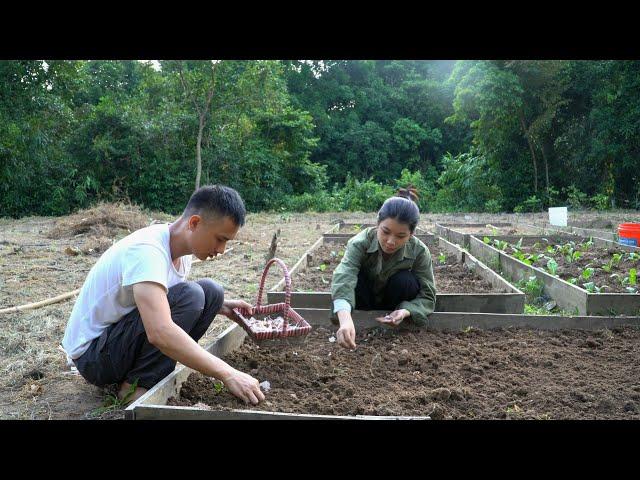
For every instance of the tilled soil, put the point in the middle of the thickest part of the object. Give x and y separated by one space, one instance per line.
595 258
472 374
450 276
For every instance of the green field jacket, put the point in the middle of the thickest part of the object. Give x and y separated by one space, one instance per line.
363 253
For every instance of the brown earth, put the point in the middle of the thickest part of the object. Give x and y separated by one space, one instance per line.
36 384
473 374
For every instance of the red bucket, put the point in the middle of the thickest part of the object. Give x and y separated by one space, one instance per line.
629 234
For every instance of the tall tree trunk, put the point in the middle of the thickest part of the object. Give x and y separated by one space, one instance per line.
546 168
199 152
533 154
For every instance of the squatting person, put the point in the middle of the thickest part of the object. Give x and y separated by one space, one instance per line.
137 314
385 268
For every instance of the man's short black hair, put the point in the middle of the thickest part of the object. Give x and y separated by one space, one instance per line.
216 200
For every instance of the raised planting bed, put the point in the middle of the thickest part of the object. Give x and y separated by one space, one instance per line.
459 233
610 235
350 230
464 366
463 283
578 273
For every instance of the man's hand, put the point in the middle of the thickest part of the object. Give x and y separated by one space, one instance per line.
346 334
395 318
244 386
229 305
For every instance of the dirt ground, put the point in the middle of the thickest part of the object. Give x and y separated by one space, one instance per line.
35 382
474 374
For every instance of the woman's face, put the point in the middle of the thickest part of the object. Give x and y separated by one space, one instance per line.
392 235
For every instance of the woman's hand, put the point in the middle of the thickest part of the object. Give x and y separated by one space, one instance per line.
346 334
395 318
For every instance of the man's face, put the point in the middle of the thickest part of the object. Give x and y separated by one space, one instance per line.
392 235
209 238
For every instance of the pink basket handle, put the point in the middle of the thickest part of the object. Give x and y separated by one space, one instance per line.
287 282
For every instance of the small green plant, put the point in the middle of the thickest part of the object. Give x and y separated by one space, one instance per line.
634 256
486 240
573 281
532 287
113 403
633 277
552 266
593 288
500 244
551 250
587 273
467 329
218 386
617 257
322 267
357 228
442 258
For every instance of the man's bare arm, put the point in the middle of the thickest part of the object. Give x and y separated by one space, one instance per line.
175 343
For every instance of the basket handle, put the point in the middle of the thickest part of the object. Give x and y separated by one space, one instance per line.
287 292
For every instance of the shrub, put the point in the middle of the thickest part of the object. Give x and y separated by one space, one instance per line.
531 204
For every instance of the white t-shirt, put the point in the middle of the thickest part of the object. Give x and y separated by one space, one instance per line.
107 293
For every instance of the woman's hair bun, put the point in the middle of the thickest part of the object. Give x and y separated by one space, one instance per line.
410 192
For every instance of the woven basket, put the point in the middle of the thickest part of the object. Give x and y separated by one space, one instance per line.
293 326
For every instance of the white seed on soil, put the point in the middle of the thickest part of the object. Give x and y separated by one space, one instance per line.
266 386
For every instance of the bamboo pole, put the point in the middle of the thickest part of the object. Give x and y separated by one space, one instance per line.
64 296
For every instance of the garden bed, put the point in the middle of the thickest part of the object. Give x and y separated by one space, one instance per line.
463 284
594 278
477 374
459 233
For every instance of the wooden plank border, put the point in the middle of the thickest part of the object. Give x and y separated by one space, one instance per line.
569 297
511 302
153 404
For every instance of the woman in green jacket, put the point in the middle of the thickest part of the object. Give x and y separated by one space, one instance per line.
385 268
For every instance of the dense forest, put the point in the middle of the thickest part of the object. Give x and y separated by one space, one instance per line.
509 135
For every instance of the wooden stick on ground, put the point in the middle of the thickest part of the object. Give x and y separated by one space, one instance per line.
64 296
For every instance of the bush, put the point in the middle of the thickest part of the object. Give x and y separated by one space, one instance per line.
316 202
531 204
367 196
601 201
493 206
575 197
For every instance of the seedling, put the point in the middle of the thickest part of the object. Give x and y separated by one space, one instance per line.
486 240
634 256
218 386
552 266
632 277
519 244
532 287
587 273
113 403
592 288
500 244
573 281
442 258
551 250
357 227
322 267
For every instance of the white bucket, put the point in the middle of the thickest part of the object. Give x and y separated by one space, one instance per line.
558 216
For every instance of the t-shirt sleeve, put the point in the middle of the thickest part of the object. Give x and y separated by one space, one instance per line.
145 263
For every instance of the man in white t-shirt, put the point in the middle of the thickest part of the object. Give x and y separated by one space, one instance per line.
137 315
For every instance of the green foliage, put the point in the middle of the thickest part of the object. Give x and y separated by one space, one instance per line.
532 287
552 266
531 204
480 135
